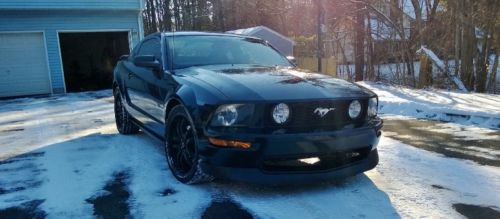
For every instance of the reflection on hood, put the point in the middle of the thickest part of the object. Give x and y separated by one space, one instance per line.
263 82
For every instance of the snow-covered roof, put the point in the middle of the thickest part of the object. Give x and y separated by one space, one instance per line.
246 31
252 30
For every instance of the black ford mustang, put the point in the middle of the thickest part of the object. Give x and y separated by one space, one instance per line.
233 107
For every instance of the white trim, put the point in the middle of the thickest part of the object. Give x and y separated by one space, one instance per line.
129 31
49 73
47 61
141 5
60 60
93 30
130 39
140 22
23 31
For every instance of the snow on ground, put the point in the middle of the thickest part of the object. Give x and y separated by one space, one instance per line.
481 145
465 108
468 133
63 150
403 185
458 131
410 175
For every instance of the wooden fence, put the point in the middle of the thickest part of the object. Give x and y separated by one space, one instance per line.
329 65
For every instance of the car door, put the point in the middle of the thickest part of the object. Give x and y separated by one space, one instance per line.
153 86
137 78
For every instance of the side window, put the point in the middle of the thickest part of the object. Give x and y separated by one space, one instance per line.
151 47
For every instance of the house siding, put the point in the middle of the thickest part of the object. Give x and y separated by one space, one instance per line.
70 4
51 22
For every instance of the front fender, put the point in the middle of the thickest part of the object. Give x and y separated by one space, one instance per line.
199 99
194 104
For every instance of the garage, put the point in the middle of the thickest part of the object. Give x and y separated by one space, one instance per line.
89 58
57 46
23 59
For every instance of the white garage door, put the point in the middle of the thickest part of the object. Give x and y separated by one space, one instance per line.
23 65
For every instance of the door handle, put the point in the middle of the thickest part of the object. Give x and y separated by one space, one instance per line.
130 75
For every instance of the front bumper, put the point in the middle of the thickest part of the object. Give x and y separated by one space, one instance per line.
274 158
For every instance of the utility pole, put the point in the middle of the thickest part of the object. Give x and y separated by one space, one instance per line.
319 4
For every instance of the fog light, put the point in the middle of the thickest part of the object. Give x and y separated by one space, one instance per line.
311 160
281 113
229 144
354 109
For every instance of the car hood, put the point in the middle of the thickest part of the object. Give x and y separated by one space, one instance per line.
273 83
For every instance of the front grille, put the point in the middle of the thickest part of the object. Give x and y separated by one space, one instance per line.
303 115
326 161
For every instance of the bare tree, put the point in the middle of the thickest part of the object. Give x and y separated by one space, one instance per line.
359 42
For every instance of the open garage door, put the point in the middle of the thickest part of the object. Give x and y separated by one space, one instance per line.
23 65
89 58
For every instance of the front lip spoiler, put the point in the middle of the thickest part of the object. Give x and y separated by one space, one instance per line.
257 176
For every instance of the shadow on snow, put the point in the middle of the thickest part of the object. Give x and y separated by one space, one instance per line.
114 175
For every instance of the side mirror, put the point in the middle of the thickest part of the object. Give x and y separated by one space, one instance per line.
123 57
292 60
147 61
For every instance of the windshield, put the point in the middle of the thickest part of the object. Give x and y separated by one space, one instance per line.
222 50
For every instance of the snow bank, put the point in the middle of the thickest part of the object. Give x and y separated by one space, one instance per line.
465 108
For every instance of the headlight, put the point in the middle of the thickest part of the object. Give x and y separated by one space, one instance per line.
281 113
372 107
354 109
232 114
226 115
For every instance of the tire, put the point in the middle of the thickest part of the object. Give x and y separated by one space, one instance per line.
123 120
181 148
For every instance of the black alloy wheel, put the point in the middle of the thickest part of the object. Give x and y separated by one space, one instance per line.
182 148
123 120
